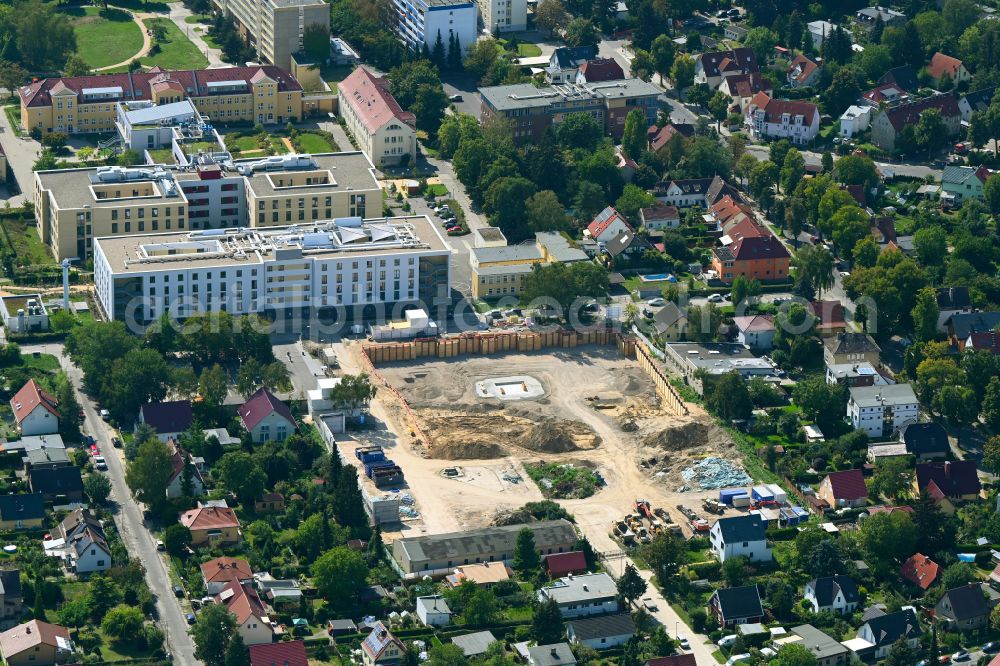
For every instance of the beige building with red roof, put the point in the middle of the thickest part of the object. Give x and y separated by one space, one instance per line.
252 621
942 66
86 104
35 411
768 118
222 571
381 128
212 525
37 643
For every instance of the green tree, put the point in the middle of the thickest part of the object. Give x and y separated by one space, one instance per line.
546 212
45 37
551 15
236 652
957 575
901 654
842 91
849 225
213 385
792 170
634 137
816 263
123 623
339 575
632 200
856 170
581 32
734 571
819 401
97 487
930 131
631 585
242 475
865 252
482 608
991 411
664 53
887 539
566 284
447 654
892 477
682 72
505 204
547 623
925 315
526 557
991 192
642 65
762 42
579 130
718 105
795 655
931 244
212 631
729 398
316 42
149 473
176 539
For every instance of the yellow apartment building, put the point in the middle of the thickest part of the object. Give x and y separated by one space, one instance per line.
502 270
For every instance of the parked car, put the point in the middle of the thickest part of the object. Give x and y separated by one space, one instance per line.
683 642
726 641
101 464
649 604
991 647
190 618
178 591
116 442
159 545
715 298
455 98
961 655
105 415
656 302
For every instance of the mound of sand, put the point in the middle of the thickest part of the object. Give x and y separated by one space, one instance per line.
560 437
687 434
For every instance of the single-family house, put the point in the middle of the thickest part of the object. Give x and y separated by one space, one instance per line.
252 621
486 574
11 601
959 183
926 441
736 605
433 611
269 503
565 564
819 31
920 570
951 301
670 323
802 72
599 69
851 348
601 633
35 411
964 608
883 95
958 480
821 646
882 411
579 596
769 118
834 594
660 216
845 488
740 536
755 331
713 67
381 648
703 192
984 341
884 630
285 653
855 120
830 317
903 77
976 101
742 87
283 593
557 654
755 257
889 122
607 224
565 62
660 137
962 325
62 483
84 548
266 418
869 16
736 33
37 643
626 246
944 68
168 419
212 525
219 572
475 644
185 477
21 512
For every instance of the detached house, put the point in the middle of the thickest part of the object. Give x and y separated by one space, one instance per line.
951 301
266 418
958 480
84 545
57 483
888 123
433 611
964 608
736 605
381 648
755 331
168 419
222 571
565 564
252 621
212 525
35 411
565 62
920 570
844 489
183 472
286 653
802 72
11 601
579 596
883 631
962 325
740 536
925 441
742 87
768 118
961 182
601 633
607 225
670 323
712 68
20 512
850 348
834 594
942 67
37 643
882 411
755 257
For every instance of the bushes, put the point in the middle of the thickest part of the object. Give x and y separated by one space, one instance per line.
709 570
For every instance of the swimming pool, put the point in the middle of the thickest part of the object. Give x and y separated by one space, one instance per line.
658 277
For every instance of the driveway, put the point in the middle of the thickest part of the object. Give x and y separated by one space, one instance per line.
137 539
21 156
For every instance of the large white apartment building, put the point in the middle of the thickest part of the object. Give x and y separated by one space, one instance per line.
419 22
322 265
882 411
74 206
275 27
384 132
504 15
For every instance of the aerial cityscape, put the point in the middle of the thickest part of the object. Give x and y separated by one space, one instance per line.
498 332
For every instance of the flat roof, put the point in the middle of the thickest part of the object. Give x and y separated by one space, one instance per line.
156 113
324 239
525 95
718 357
489 255
875 396
71 189
351 171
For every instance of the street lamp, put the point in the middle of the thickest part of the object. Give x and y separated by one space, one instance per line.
677 633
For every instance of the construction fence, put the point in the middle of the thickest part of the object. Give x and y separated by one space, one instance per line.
672 400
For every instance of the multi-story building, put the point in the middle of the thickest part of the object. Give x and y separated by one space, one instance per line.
419 23
501 271
887 124
504 15
315 265
87 104
533 110
961 182
882 411
768 118
713 67
274 28
74 206
384 132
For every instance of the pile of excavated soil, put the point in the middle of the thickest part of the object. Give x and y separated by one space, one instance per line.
687 434
675 444
555 436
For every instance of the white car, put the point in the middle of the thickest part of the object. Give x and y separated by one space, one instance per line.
101 464
738 659
845 274
649 604
683 642
726 641
656 302
715 298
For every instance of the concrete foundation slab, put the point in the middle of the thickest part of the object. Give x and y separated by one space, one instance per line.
519 387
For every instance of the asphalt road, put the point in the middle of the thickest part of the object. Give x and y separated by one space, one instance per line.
137 539
814 159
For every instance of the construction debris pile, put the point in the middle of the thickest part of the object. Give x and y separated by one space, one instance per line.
713 473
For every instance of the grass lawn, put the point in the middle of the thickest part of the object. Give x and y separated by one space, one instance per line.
248 145
176 50
162 155
198 18
27 246
437 190
42 362
314 143
119 651
105 37
528 50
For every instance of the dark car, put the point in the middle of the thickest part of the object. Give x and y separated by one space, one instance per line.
178 591
991 647
116 442
190 618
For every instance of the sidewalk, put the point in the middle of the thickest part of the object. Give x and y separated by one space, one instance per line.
178 12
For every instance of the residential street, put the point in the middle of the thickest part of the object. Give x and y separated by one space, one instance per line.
814 158
138 540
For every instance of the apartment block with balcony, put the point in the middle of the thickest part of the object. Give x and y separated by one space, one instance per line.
274 28
504 15
882 411
419 22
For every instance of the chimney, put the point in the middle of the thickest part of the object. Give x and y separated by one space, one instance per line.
27 629
553 651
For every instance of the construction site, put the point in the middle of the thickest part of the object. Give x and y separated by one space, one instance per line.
465 428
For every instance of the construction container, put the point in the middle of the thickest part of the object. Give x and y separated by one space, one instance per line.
726 495
741 501
387 476
780 496
792 515
377 464
370 454
381 509
761 494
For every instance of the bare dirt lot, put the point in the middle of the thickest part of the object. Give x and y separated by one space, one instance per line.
598 409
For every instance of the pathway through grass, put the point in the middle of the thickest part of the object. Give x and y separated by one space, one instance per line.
105 37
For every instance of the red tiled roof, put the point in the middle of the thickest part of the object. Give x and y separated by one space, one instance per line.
138 85
746 85
370 96
755 323
30 396
604 220
226 569
744 227
942 64
662 136
242 601
288 653
909 114
829 313
920 570
559 564
802 68
749 248
774 108
848 484
601 69
984 341
209 518
954 478
259 406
